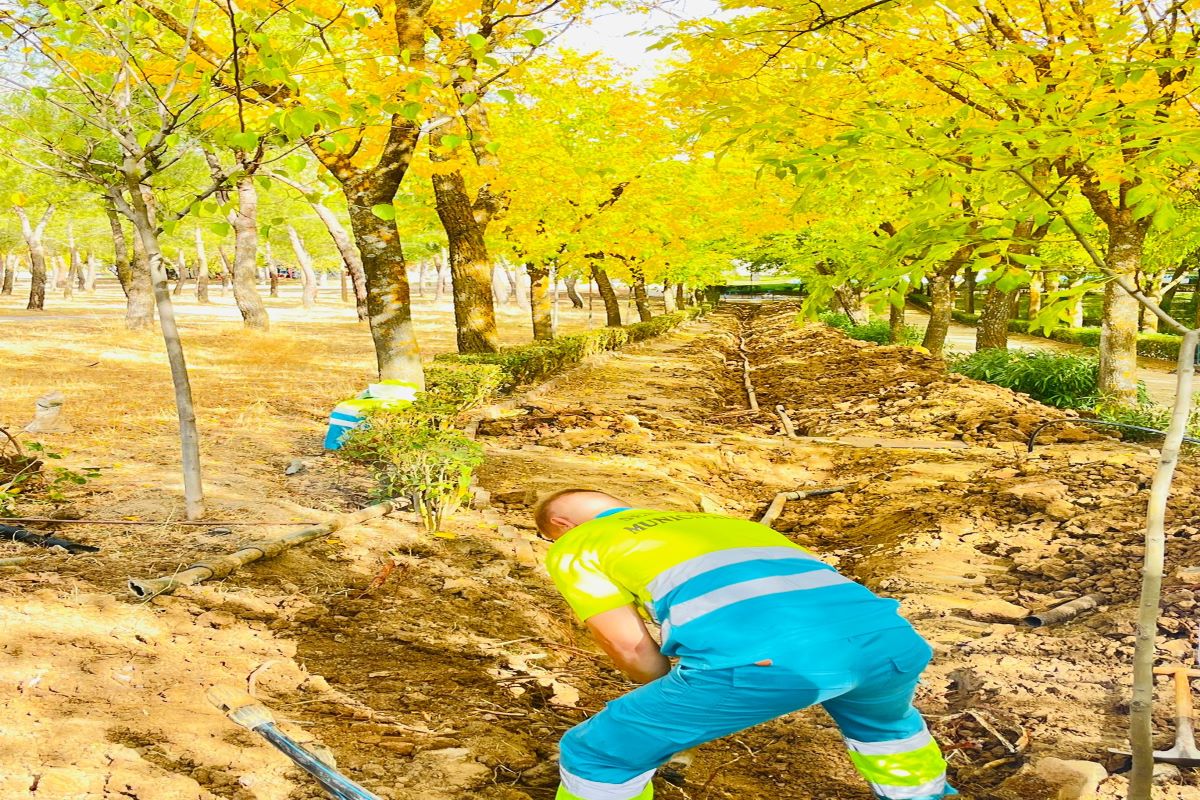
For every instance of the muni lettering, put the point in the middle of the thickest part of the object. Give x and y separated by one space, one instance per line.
644 524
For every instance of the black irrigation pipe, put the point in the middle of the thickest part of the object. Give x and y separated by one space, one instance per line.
1122 425
15 533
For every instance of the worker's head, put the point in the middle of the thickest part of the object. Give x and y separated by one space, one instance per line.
563 510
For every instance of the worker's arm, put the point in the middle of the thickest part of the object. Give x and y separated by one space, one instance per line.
623 635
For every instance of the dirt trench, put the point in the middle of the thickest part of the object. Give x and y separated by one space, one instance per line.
448 668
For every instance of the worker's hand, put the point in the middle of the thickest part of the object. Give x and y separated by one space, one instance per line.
623 635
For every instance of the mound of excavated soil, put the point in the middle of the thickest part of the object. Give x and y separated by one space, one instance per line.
832 385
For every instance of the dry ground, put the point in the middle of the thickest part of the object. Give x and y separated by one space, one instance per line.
455 678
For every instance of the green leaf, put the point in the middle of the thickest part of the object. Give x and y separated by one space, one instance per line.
493 147
38 92
410 110
507 94
384 211
220 228
451 141
469 99
244 140
476 41
535 37
144 138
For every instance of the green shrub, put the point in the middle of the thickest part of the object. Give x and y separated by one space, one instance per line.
1062 380
1147 415
533 362
878 331
461 386
408 457
1159 345
958 315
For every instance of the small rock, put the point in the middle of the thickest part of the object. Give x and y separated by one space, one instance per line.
296 465
480 498
997 611
515 497
1076 780
398 747
1167 773
1060 510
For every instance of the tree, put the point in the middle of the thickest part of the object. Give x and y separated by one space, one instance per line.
33 233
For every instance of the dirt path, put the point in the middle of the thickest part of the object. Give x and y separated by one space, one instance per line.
1157 374
454 678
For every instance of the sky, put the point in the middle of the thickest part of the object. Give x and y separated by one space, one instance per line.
621 35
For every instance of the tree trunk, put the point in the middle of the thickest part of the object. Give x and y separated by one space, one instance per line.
992 333
181 277
895 323
10 274
72 269
1141 706
439 284
245 256
681 295
421 266
272 270
1035 295
540 307
1118 329
1077 305
572 292
639 295
514 288
189 437
89 272
668 299
306 268
37 256
345 285
554 300
201 269
350 257
470 266
139 304
612 305
941 308
969 281
389 303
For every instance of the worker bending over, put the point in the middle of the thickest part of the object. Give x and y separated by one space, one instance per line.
761 628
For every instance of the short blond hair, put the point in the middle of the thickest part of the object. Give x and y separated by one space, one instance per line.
545 507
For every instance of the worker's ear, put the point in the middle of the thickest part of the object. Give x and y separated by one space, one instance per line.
559 526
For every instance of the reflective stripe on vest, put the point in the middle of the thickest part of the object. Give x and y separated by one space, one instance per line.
671 579
690 610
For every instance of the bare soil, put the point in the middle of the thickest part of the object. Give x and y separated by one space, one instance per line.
453 674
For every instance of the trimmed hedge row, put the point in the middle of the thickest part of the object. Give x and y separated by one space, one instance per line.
533 362
1150 345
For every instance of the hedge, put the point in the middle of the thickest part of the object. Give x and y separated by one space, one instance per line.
533 362
1150 345
922 301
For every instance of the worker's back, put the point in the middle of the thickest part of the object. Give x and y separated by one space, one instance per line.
726 591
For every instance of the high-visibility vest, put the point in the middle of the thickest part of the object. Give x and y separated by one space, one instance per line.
726 591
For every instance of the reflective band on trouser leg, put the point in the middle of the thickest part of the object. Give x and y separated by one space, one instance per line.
902 769
574 787
690 610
